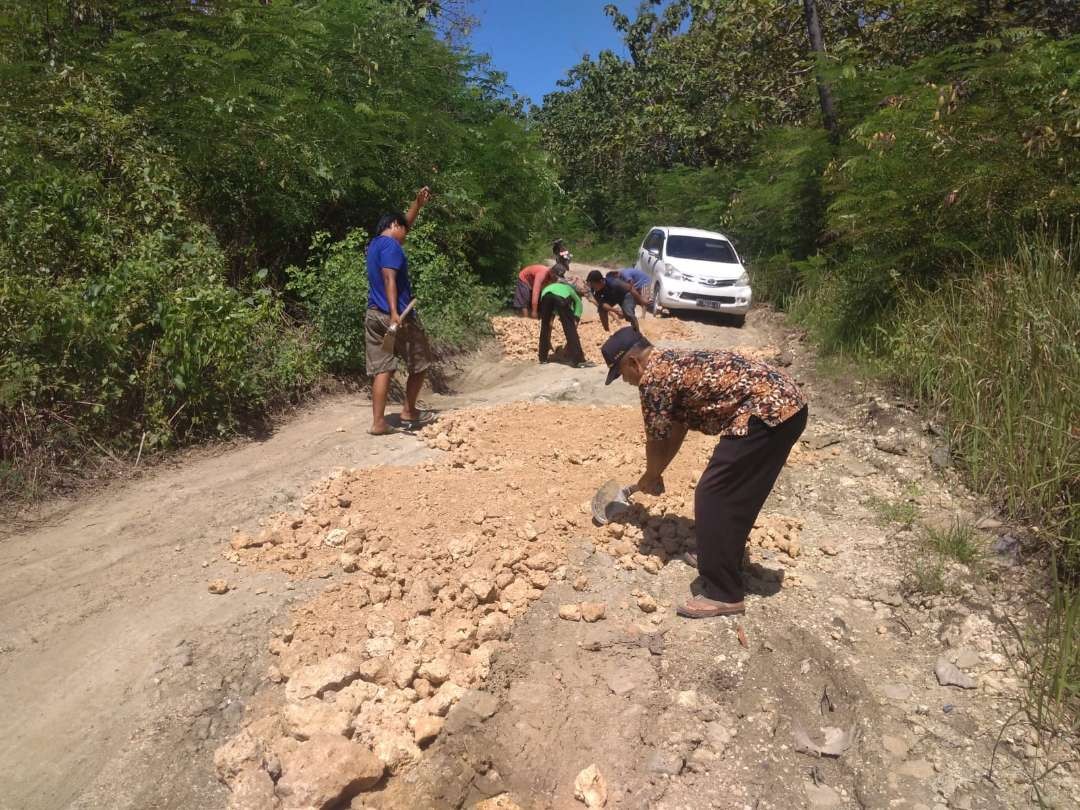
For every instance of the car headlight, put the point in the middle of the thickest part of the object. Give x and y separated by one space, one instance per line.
743 280
672 273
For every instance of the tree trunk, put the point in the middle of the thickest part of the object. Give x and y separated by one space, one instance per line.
817 46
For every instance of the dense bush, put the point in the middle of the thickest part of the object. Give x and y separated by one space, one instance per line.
165 163
451 302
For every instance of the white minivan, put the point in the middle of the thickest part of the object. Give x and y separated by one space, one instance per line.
693 269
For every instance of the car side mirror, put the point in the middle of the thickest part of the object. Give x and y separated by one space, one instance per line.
653 252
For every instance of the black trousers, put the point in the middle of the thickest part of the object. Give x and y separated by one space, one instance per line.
550 306
730 494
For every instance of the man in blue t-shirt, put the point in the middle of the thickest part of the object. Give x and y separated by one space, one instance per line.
639 280
389 293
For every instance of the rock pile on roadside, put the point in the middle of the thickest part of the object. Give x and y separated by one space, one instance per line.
427 568
519 338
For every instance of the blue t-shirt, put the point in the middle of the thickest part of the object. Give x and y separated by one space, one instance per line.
384 251
639 278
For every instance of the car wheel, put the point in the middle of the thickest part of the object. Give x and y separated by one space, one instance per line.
654 304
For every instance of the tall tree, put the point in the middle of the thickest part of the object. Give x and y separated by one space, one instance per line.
817 45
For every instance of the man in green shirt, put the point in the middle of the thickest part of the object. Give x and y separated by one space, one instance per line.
563 300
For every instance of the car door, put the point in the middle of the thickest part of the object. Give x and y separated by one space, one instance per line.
651 250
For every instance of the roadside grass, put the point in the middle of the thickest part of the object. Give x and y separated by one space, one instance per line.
925 573
957 542
902 511
998 348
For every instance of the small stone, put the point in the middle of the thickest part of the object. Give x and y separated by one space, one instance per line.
829 550
494 627
307 718
940 457
581 583
427 729
333 673
403 668
572 613
664 762
323 770
503 801
252 790
966 658
948 674
590 787
896 691
344 502
483 587
822 796
482 704
593 611
242 540
336 538
647 603
916 768
218 586
436 671
897 746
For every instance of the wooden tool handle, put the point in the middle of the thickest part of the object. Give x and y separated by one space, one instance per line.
407 310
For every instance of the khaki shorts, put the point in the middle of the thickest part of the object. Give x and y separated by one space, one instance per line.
411 344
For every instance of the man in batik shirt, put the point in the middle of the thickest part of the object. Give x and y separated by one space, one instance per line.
758 413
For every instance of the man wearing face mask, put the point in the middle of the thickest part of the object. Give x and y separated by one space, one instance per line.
757 411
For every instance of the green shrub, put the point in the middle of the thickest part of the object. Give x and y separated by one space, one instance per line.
453 305
333 287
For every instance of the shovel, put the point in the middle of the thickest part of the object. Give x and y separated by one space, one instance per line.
610 501
391 332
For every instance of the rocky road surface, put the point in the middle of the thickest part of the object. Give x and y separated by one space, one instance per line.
325 619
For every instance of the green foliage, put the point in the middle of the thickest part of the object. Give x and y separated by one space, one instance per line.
164 163
956 541
333 287
453 303
967 150
902 511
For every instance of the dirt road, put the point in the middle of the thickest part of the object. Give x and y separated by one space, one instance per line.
121 674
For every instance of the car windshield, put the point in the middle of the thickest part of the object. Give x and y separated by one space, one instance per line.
701 248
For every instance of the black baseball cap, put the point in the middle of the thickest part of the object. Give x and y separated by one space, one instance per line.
616 347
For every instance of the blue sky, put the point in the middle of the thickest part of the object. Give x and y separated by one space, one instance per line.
535 43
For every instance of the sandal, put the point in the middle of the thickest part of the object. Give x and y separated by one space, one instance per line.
702 607
425 419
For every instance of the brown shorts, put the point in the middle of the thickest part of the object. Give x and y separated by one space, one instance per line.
411 344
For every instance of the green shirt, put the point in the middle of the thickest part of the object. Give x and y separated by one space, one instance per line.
565 291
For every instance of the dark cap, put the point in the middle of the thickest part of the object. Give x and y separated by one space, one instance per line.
616 347
559 270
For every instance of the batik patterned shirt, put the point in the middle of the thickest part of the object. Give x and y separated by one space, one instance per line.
714 392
